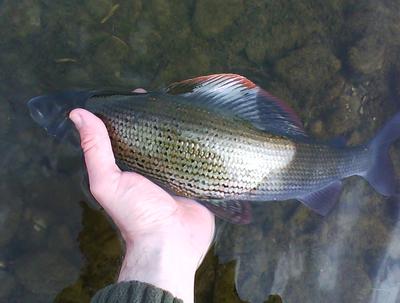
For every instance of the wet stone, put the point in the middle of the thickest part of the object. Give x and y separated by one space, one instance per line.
358 276
77 75
198 62
274 299
205 277
76 293
224 289
98 8
368 56
10 215
35 298
240 239
213 17
11 152
5 117
60 239
346 115
249 287
23 17
309 69
253 34
59 272
34 228
68 160
162 11
304 221
141 41
317 128
101 264
256 49
370 244
56 195
7 284
394 246
108 57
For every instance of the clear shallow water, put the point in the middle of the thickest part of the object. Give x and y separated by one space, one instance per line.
336 64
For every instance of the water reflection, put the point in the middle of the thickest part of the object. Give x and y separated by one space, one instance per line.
386 287
331 62
330 256
351 255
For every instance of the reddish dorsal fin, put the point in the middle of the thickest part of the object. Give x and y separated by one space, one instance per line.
239 96
208 82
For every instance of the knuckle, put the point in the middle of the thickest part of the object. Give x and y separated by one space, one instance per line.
89 143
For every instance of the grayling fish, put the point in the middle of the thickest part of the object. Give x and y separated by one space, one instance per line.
224 141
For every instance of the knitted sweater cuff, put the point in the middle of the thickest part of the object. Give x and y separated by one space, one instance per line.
133 292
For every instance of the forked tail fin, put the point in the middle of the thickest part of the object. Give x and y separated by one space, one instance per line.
381 174
51 111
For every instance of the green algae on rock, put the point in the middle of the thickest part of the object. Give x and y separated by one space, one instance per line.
22 18
102 265
225 290
308 70
212 17
368 56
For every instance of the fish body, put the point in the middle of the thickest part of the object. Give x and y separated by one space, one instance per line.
209 155
224 141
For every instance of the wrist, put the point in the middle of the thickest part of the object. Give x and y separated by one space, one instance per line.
163 261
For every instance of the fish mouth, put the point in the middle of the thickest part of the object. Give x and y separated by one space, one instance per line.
46 114
36 109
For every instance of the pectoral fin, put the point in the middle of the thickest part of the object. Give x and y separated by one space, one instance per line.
237 212
323 200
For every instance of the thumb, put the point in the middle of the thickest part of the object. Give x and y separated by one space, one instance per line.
99 157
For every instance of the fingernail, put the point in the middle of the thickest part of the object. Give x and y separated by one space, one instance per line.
77 119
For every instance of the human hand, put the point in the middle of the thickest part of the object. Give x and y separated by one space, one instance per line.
166 237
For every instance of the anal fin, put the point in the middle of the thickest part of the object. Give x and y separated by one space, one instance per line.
323 200
237 212
338 142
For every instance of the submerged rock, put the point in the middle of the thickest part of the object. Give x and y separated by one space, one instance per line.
34 228
98 8
45 273
212 17
10 215
309 69
108 57
368 56
225 290
22 18
101 265
7 284
205 278
75 293
5 117
60 239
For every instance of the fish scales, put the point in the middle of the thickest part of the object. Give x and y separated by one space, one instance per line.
313 166
208 155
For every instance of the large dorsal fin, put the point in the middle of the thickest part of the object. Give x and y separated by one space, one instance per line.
241 97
